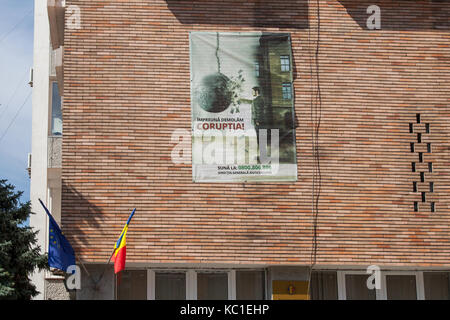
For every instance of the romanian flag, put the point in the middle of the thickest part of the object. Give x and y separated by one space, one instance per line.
120 248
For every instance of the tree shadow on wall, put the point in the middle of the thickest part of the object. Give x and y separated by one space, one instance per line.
403 15
256 13
79 217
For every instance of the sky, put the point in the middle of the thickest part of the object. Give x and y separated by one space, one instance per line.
16 59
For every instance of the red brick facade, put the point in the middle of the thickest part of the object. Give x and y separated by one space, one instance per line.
127 87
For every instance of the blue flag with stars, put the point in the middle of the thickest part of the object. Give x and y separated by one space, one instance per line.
60 253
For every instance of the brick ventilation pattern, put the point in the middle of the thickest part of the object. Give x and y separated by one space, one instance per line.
425 177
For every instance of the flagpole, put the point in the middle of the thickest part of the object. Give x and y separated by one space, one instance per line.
107 263
104 270
115 287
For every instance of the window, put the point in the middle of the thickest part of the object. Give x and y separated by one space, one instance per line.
56 124
250 285
243 284
170 286
437 285
356 287
287 91
212 286
285 63
395 285
256 64
401 287
324 286
132 285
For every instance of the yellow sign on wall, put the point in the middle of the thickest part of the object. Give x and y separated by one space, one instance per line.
290 290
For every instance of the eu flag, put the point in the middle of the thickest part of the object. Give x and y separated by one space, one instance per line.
60 253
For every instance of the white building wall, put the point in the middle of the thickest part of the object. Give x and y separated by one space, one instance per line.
40 107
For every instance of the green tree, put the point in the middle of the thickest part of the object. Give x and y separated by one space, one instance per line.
19 254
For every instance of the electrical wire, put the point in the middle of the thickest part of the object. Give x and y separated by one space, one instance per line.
316 114
15 117
3 112
5 35
217 53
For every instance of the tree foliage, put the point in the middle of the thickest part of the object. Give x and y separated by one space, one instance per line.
19 254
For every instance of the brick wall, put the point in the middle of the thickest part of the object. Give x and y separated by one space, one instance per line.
127 88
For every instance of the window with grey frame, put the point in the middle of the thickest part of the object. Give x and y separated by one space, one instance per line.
287 91
324 285
356 288
56 111
212 286
170 286
132 285
437 285
250 285
257 69
285 61
401 287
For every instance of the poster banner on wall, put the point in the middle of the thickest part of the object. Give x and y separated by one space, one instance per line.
242 107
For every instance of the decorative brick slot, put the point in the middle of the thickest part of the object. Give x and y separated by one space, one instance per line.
413 149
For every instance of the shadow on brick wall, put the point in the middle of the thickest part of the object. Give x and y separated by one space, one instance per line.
78 217
403 14
252 13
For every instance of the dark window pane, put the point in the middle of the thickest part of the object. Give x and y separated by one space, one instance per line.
287 91
250 285
170 286
132 285
257 71
401 287
324 286
212 286
437 285
285 63
356 287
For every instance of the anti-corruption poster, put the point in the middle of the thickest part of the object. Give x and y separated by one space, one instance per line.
242 107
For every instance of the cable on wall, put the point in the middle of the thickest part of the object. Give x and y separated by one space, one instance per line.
316 115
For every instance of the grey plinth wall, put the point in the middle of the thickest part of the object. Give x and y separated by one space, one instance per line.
92 288
55 290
